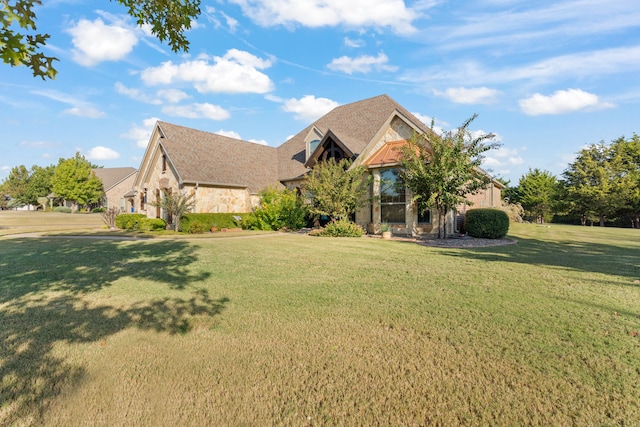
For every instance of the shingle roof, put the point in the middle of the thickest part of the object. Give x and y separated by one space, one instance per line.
110 177
355 124
209 158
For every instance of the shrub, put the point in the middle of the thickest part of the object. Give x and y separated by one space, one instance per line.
63 209
340 228
151 224
128 221
98 210
197 227
109 216
222 220
278 209
486 223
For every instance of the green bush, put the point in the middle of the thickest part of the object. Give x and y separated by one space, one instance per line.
129 221
63 209
222 220
340 228
486 223
197 227
151 224
279 209
98 210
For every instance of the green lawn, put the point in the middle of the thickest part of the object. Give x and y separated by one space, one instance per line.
288 329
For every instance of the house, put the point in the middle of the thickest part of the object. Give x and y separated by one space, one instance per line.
117 184
226 174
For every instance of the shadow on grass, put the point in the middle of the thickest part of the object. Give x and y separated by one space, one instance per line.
42 304
614 259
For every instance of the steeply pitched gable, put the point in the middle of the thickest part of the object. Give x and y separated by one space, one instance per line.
111 177
212 159
355 124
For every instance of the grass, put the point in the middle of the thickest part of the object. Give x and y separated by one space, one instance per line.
294 330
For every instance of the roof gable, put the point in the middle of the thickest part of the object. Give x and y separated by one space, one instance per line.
355 125
111 177
211 159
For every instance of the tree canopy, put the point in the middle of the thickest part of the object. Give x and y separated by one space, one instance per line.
441 170
537 192
335 189
22 44
73 180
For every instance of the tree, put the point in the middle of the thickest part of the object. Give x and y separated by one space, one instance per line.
40 184
21 43
537 192
336 189
176 205
441 170
16 185
626 163
593 184
73 180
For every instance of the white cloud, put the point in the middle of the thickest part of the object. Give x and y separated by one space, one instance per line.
235 72
102 153
95 42
229 133
79 107
172 95
309 108
141 133
135 94
85 111
354 43
36 144
361 64
197 111
462 95
560 102
439 126
393 14
501 160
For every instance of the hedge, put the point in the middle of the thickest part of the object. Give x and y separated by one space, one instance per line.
63 209
204 221
129 221
486 223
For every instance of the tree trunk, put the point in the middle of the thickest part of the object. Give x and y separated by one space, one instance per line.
601 220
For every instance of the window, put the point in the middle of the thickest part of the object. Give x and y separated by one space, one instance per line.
164 163
424 217
312 146
143 200
392 197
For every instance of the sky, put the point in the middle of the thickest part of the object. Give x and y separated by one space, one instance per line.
546 77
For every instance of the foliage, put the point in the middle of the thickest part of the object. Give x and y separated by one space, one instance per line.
109 216
441 170
98 210
73 180
335 189
176 205
21 44
279 209
222 220
486 223
339 228
151 224
16 184
594 184
196 227
514 211
384 227
128 221
40 184
63 209
537 192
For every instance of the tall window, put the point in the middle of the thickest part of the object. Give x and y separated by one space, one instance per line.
164 163
392 197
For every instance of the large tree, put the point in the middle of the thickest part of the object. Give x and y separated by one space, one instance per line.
441 170
336 189
40 184
22 44
537 192
17 184
73 180
594 185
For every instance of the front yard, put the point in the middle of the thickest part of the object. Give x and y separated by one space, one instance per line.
293 330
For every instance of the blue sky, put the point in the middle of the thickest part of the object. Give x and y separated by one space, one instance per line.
547 77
